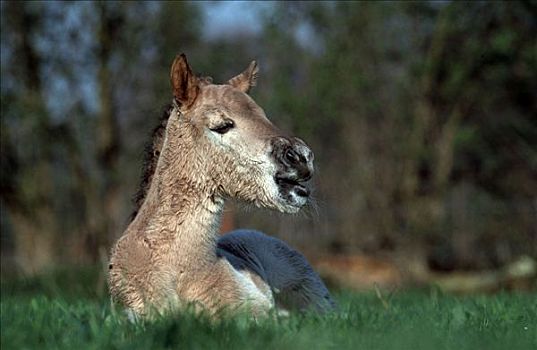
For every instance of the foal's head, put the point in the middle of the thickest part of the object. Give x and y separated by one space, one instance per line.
240 152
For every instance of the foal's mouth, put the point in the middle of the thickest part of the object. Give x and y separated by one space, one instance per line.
289 188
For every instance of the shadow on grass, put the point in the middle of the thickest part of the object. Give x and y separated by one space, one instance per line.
87 282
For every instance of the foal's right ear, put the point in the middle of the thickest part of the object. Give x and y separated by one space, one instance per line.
185 85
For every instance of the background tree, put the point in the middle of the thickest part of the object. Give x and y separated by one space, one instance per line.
421 115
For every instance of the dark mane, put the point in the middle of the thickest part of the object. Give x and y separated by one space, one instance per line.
151 155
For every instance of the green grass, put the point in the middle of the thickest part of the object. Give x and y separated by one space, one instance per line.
66 311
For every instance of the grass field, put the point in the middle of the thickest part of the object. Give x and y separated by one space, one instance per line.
68 311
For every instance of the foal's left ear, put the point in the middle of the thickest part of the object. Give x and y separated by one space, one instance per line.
185 84
246 79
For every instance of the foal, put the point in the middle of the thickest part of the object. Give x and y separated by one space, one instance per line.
215 143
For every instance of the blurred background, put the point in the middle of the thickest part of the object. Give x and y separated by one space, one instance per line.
422 116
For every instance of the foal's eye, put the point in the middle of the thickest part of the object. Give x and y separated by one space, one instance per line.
224 127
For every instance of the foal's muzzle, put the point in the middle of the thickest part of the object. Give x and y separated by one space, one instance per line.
295 165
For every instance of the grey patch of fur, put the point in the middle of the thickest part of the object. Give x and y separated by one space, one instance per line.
294 283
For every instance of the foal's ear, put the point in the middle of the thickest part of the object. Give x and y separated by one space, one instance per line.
185 84
246 79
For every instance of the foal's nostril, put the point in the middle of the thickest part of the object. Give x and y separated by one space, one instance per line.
294 159
292 156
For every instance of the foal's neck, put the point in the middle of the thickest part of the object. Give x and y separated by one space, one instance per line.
181 213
